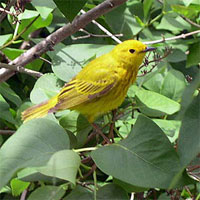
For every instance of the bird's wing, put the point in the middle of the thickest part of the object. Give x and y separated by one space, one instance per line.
81 90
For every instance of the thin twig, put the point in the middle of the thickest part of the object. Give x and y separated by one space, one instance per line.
157 59
88 35
8 6
132 196
190 21
6 132
188 190
45 60
98 130
112 125
192 168
86 160
84 184
7 12
21 69
104 29
90 137
182 36
24 193
49 42
90 172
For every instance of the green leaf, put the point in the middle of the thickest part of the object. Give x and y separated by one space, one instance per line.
80 193
31 174
5 189
78 125
154 104
154 83
188 95
27 17
67 61
189 138
145 158
9 94
32 145
70 8
44 7
136 8
187 2
172 22
46 87
139 21
4 111
4 39
169 127
128 187
186 11
164 196
193 57
147 6
47 192
122 20
18 186
12 53
173 85
74 121
62 164
112 191
176 56
27 14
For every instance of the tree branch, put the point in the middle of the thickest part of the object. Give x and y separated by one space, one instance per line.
6 132
48 43
21 69
190 21
182 36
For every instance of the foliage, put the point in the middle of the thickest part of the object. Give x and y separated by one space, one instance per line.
156 129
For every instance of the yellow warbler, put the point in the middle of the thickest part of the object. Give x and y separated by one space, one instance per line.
99 87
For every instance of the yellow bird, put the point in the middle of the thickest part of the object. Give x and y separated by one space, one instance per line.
100 86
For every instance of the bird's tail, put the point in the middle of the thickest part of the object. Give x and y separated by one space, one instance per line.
39 110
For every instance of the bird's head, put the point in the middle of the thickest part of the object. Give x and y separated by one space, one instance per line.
131 53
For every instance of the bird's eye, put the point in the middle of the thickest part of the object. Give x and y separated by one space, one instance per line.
131 50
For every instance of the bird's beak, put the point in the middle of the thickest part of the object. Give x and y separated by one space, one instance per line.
148 49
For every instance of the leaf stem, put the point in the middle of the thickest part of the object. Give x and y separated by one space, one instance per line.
155 19
21 33
95 184
16 30
85 149
80 173
85 166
